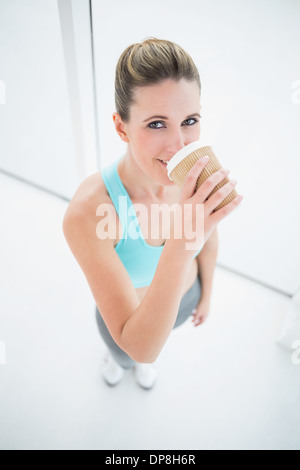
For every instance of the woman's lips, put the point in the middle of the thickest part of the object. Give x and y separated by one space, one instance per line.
163 163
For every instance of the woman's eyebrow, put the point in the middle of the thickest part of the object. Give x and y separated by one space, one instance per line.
166 118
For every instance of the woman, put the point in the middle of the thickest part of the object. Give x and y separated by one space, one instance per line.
145 286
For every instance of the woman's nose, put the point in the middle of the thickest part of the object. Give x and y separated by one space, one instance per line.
175 143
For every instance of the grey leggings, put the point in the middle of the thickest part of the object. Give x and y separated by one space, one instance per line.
188 302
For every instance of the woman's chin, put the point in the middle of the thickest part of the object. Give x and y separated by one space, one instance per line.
163 175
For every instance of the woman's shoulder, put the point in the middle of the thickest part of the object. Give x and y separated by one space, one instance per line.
82 215
90 193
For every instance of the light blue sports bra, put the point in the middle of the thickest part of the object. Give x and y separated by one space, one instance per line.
139 258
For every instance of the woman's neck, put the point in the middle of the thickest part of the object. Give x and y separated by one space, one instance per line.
141 186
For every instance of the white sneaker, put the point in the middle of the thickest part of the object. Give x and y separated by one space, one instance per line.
111 371
145 375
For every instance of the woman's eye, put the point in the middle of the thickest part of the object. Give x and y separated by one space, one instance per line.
160 124
156 125
191 121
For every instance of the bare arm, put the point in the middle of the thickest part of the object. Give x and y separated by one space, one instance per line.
147 330
207 259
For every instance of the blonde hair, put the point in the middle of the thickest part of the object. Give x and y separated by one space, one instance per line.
147 63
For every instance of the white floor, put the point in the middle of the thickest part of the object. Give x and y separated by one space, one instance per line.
224 385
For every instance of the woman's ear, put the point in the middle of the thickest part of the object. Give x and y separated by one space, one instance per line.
120 127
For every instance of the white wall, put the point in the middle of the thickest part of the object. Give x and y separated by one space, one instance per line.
248 57
47 133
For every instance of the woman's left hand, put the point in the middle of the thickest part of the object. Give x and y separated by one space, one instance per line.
200 313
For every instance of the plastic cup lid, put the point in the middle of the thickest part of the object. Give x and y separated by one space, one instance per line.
181 154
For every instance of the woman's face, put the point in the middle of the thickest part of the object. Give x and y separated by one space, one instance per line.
164 118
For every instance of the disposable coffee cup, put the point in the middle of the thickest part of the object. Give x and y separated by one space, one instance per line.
184 160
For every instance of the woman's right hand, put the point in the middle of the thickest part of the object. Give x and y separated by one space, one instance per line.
203 220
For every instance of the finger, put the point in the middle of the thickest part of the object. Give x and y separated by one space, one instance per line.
196 319
220 214
199 320
194 312
219 196
189 185
206 188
